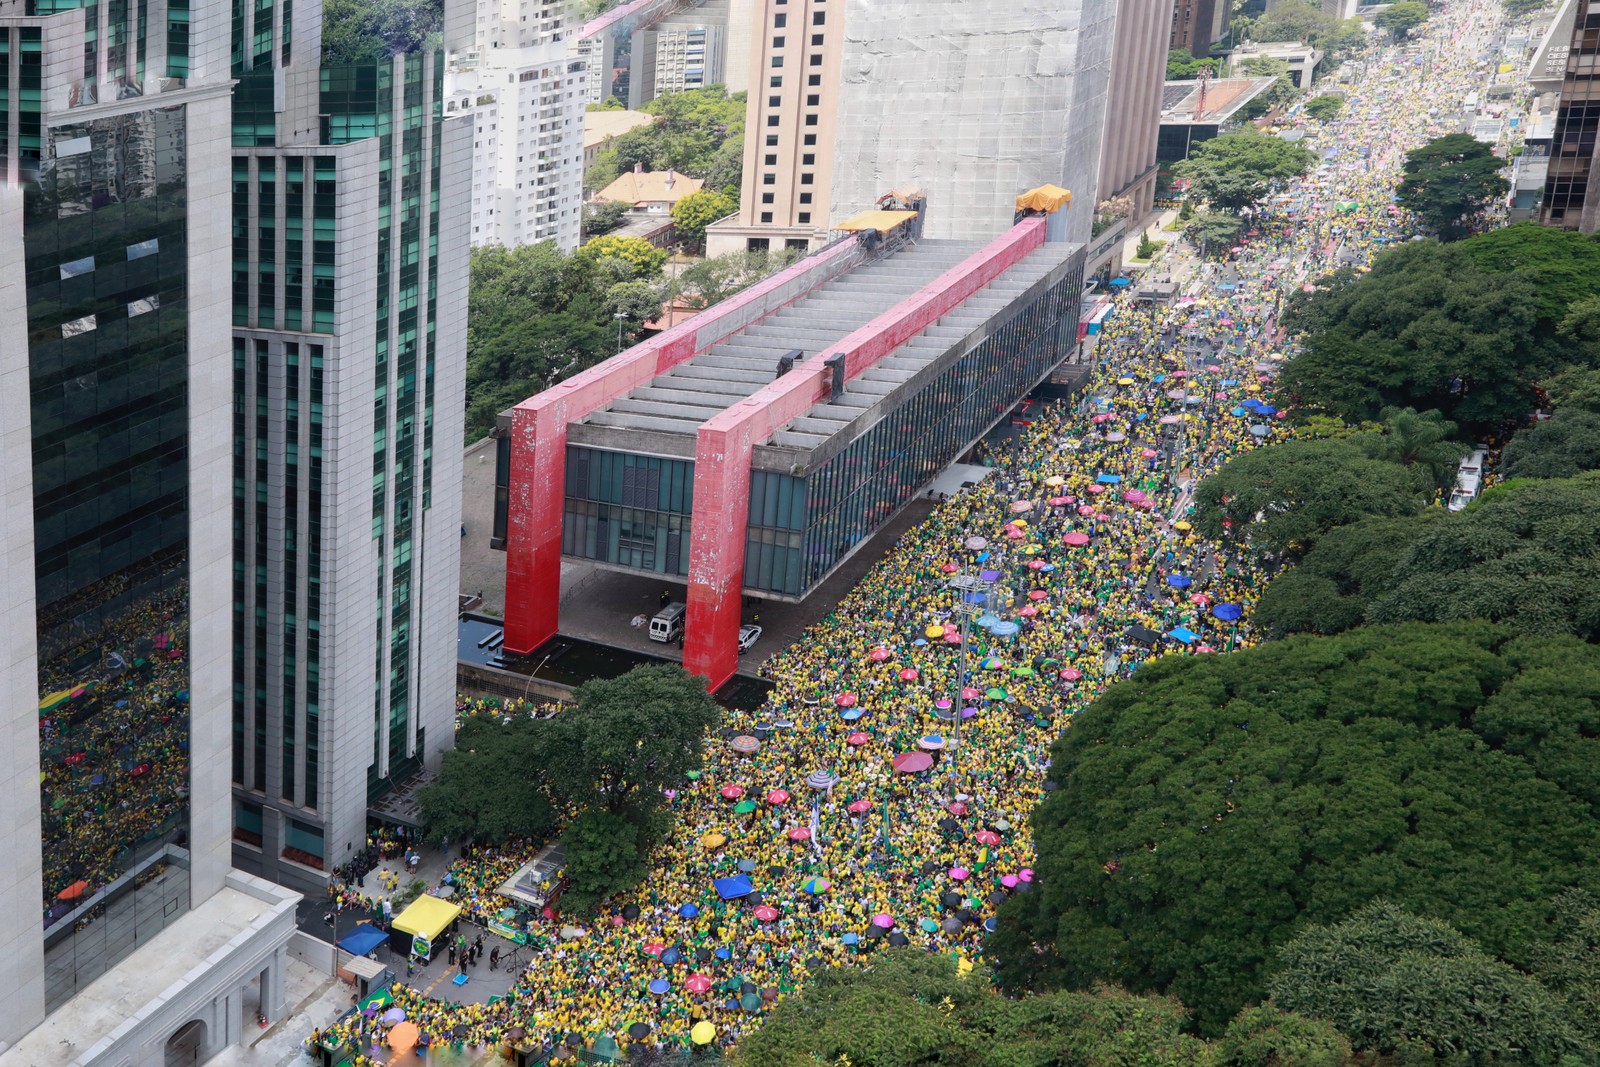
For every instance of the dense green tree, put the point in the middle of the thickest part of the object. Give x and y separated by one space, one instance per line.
364 31
1181 65
1323 108
1331 588
708 281
1425 329
1387 978
604 854
1283 497
1402 16
1563 265
1211 808
1569 966
1215 229
1417 439
1518 8
1268 1036
484 789
603 217
691 134
1282 91
1449 182
1566 444
1529 557
644 258
1294 20
695 212
1575 388
1237 170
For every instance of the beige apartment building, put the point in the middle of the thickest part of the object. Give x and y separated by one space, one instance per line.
1133 104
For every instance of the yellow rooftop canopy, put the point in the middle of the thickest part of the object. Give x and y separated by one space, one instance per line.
1044 198
428 916
882 221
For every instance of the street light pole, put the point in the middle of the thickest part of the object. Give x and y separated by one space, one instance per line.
619 316
966 587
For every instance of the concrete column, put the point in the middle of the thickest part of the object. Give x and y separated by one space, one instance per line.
274 993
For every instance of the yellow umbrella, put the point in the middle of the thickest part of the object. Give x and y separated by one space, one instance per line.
1252 388
702 1033
1183 525
1124 381
716 840
1055 480
934 631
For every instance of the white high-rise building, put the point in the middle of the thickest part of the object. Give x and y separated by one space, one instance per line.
525 90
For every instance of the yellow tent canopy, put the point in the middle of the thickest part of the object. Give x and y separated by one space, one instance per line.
1044 198
428 916
882 221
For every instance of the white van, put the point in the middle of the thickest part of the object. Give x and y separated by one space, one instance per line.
668 623
1469 479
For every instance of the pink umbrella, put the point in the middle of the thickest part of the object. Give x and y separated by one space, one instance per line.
1147 453
1205 648
1071 674
958 874
1014 533
878 655
857 807
884 920
1076 538
1035 564
1101 516
732 792
909 675
1025 875
1180 374
766 913
1133 496
987 837
778 796
1212 367
949 568
1096 490
1222 396
1085 509
971 693
697 983
1037 594
1028 612
1168 420
1199 598
1058 501
956 808
952 639
654 948
857 738
799 833
1009 881
1102 418
845 700
944 703
1018 507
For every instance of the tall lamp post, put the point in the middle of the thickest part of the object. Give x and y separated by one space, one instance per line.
619 316
972 594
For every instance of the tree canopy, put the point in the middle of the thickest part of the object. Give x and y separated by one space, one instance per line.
1564 267
1402 16
911 1009
1286 496
364 31
1566 444
1302 20
695 212
1427 328
1322 108
1330 589
692 134
1181 65
1211 808
1388 979
602 763
1237 170
1449 182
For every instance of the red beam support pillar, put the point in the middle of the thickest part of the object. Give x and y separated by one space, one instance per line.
533 522
725 442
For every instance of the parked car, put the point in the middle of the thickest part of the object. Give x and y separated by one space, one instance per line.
748 636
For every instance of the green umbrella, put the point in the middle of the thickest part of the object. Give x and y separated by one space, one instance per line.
744 807
693 776
750 1002
996 693
732 985
929 926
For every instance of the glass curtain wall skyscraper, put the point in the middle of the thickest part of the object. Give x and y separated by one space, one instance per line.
351 200
113 357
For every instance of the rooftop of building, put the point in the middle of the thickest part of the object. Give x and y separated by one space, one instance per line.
600 126
1224 96
650 187
664 415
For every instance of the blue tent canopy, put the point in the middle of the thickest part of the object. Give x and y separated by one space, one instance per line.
1118 283
1227 612
1109 479
1183 634
733 888
362 940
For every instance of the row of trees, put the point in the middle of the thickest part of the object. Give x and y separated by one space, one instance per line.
698 132
594 773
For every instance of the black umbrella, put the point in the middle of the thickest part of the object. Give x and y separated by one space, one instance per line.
630 912
747 987
814 963
1024 887
951 900
949 825
874 931
996 898
952 926
639 1031
701 955
747 866
898 940
754 899
775 871
964 915
930 866
460 1030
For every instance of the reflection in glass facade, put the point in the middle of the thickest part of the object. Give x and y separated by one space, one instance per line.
627 509
108 332
846 498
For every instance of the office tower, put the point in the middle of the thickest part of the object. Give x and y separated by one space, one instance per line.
512 74
971 104
1133 105
1197 25
1571 190
350 201
128 935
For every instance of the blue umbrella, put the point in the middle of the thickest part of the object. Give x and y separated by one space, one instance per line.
1179 581
919 642
1227 612
733 888
850 939
1004 629
1109 479
723 954
660 986
689 911
850 714
672 955
1236 412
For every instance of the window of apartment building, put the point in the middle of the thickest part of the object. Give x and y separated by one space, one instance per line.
774 101
766 216
811 120
815 79
816 38
777 61
813 99
804 216
772 140
772 120
810 139
809 159
776 81
767 198
777 42
769 179
805 198
779 21
819 18
805 179
771 160
816 61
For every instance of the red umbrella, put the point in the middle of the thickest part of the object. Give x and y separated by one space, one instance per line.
858 807
845 700
987 837
698 983
949 568
1076 538
1037 594
654 948
799 833
778 796
732 792
766 913
878 655
857 738
952 639
73 891
909 675
1071 674
912 762
956 808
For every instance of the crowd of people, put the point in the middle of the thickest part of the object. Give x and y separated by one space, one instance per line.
827 837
